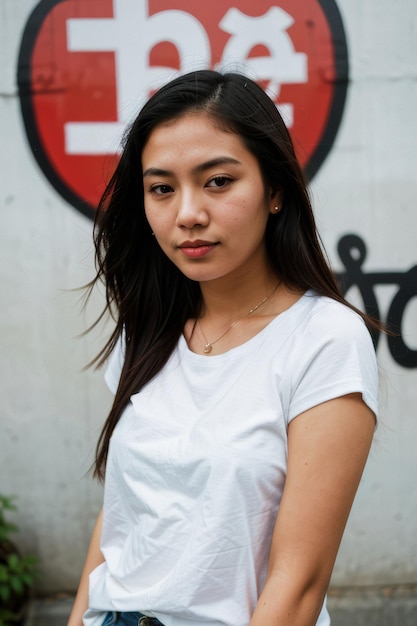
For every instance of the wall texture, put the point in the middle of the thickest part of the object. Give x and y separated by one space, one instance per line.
52 410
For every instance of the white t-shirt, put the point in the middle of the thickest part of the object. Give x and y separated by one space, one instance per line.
197 465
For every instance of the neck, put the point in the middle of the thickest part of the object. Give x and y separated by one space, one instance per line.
232 299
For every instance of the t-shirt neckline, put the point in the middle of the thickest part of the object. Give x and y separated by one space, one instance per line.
246 346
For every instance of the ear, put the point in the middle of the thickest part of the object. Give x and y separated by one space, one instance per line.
276 201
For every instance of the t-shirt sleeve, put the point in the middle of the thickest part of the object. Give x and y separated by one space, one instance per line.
335 356
115 365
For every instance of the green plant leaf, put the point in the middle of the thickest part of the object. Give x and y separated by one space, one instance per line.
5 593
16 572
17 585
7 503
27 579
14 562
4 574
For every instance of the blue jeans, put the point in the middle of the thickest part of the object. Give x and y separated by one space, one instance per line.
130 619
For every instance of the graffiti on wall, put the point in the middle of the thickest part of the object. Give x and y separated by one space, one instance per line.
352 252
86 66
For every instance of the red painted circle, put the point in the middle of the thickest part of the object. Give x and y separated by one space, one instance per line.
58 86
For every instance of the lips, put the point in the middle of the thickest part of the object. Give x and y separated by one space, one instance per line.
197 249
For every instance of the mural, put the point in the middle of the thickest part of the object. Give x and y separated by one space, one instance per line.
86 66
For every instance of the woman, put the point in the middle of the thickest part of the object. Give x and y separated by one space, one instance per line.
245 386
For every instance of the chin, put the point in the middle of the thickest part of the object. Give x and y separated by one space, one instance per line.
199 275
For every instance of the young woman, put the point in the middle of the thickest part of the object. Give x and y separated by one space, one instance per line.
245 386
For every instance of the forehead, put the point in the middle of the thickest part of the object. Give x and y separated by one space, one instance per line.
191 135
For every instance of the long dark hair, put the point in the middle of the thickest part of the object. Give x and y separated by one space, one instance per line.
149 298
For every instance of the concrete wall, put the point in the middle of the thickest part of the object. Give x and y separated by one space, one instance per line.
52 411
368 186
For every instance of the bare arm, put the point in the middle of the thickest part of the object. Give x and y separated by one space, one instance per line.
327 450
93 559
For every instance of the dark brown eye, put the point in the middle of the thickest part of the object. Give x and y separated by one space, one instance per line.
161 189
219 181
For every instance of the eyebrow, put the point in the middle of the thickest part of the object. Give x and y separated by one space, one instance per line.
202 167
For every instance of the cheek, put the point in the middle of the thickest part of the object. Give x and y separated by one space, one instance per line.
253 213
156 220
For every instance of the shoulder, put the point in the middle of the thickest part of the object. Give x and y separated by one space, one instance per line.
332 355
326 319
335 332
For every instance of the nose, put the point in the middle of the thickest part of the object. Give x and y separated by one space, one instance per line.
191 210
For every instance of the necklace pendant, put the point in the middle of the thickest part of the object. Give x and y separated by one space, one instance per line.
208 348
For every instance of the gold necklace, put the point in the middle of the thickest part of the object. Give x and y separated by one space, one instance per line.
209 344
